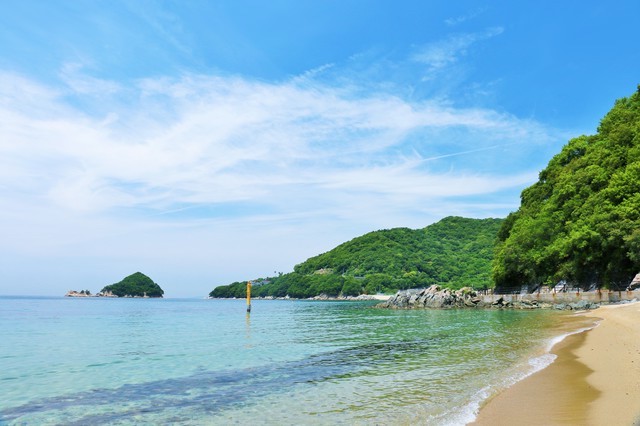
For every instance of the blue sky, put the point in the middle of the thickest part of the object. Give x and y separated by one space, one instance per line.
206 142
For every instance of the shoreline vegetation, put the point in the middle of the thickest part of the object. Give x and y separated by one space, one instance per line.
454 252
436 298
320 297
577 226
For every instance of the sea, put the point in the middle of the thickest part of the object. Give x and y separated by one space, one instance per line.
103 361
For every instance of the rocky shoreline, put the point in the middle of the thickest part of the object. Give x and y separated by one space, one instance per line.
322 297
435 297
87 293
74 293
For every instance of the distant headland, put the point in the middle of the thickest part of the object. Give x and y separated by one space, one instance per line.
134 285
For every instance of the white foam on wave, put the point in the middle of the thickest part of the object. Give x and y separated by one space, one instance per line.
469 412
555 340
465 414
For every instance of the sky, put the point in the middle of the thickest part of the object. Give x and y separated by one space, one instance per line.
206 142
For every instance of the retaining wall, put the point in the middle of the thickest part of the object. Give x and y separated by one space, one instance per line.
598 296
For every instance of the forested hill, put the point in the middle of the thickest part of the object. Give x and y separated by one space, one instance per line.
581 221
454 252
137 284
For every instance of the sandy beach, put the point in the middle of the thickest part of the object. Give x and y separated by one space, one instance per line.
594 381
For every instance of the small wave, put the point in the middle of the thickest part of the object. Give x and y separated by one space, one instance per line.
469 412
555 340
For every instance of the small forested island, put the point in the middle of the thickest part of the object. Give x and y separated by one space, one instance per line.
135 285
454 252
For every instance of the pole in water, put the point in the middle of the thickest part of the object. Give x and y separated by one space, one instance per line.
248 296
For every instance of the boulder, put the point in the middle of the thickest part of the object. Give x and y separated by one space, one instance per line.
580 305
433 297
498 302
635 283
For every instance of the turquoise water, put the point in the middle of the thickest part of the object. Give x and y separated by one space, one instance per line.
146 361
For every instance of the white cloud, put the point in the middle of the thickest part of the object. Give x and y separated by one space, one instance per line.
84 84
227 140
444 53
464 18
190 165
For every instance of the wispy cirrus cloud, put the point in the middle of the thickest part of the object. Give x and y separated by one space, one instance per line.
222 140
94 168
465 17
448 51
82 83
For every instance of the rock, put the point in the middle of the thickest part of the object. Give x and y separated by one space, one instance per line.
413 299
525 304
635 283
74 293
433 297
320 296
436 298
582 304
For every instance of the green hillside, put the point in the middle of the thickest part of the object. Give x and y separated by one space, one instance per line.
137 284
581 221
454 252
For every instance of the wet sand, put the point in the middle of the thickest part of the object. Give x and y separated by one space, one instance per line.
594 381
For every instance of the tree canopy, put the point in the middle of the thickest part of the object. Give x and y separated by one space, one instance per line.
454 253
137 284
581 221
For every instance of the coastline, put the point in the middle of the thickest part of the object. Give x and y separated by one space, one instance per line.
593 381
321 297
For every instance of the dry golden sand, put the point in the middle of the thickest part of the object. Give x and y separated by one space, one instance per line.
594 381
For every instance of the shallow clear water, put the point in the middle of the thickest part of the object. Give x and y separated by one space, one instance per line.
132 361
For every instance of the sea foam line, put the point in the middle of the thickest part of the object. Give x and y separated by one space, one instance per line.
469 412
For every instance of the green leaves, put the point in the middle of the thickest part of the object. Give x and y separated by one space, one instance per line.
580 221
455 252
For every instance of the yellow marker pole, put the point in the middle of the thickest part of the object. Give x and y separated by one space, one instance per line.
248 296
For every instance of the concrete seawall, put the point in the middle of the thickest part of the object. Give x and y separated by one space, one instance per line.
598 296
